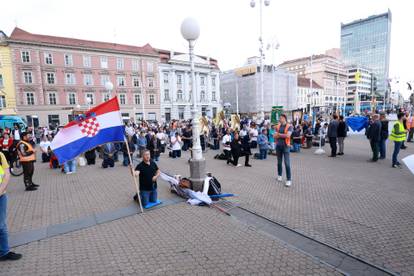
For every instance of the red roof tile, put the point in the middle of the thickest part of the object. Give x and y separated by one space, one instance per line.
22 35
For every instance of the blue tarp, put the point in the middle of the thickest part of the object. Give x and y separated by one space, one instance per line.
357 123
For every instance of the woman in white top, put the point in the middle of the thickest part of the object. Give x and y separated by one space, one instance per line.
176 145
44 146
253 136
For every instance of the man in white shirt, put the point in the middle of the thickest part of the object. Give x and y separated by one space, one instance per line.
226 145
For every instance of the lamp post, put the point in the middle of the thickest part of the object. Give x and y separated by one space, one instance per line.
109 86
190 30
253 4
273 46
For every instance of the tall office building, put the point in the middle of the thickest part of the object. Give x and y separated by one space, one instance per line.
366 42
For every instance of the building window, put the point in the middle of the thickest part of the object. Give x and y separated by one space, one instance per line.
203 95
104 79
179 95
179 79
152 116
150 82
52 99
120 63
87 61
90 99
87 79
3 102
72 98
30 98
166 78
181 112
27 77
151 99
70 78
213 82
120 81
202 80
135 82
213 95
166 95
25 56
105 97
54 120
122 98
50 78
104 62
135 65
1 80
137 99
48 58
68 60
150 68
214 112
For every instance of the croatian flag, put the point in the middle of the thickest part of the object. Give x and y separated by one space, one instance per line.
102 124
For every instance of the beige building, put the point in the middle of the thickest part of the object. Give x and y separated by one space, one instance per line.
328 71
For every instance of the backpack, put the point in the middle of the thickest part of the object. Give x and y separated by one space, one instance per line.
214 187
256 156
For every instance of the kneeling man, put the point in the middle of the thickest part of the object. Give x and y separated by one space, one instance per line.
148 173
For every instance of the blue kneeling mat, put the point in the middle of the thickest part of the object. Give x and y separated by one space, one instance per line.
152 204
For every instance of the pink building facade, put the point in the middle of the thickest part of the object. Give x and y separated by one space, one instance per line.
55 75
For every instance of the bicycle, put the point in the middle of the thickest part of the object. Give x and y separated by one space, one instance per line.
16 168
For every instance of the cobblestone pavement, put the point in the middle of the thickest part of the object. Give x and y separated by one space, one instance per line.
174 240
362 208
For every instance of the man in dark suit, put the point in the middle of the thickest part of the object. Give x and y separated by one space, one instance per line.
374 136
333 134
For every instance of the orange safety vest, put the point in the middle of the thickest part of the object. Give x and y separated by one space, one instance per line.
287 139
29 158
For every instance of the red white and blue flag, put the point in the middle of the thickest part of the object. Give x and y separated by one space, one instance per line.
102 124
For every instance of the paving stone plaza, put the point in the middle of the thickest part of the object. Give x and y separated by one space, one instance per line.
87 224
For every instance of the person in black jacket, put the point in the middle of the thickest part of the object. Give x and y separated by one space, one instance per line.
235 146
245 143
342 131
384 135
374 136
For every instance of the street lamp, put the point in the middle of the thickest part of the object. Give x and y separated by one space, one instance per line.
253 4
190 30
109 86
274 45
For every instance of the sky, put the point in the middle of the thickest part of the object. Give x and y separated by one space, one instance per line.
229 28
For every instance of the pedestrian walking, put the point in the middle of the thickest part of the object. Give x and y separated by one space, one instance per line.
282 139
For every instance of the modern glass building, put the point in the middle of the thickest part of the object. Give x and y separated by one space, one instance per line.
366 42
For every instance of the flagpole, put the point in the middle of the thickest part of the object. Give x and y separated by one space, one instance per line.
133 176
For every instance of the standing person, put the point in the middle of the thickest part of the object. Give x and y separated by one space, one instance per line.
148 173
271 138
406 127
176 145
308 136
5 253
263 143
16 134
374 136
124 149
215 137
333 134
253 133
163 139
142 143
282 139
27 155
384 135
398 135
342 133
226 146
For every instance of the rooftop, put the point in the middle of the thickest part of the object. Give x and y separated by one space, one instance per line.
19 35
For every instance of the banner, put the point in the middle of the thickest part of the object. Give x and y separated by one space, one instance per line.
276 112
